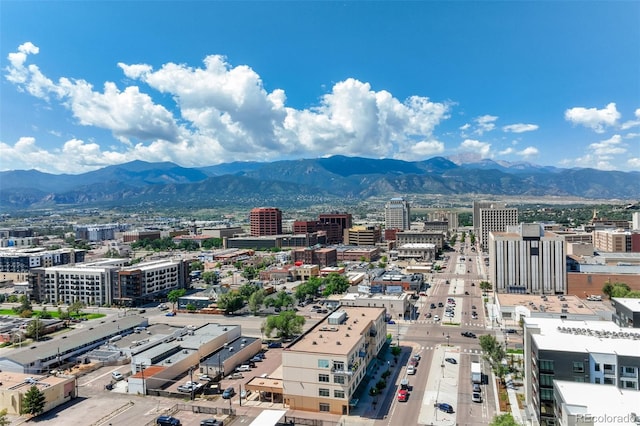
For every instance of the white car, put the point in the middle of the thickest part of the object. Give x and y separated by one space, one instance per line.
411 370
436 318
116 375
244 367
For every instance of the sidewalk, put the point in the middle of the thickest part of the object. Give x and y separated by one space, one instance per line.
513 403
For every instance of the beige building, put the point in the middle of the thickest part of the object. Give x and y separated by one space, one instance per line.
363 235
613 241
323 368
397 305
13 386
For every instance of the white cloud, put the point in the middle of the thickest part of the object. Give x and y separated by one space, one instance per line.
520 128
634 162
225 114
485 123
506 151
632 123
476 146
593 118
529 151
610 146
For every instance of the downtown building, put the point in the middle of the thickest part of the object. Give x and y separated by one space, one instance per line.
527 260
323 368
588 353
397 214
265 221
15 264
492 217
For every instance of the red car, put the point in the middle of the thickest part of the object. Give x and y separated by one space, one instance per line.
403 395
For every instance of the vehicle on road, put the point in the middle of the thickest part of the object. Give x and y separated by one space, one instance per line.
236 376
205 377
476 372
170 314
243 367
403 395
273 345
404 384
210 422
428 315
245 393
451 360
228 393
168 421
411 370
256 359
473 307
468 334
447 408
436 318
440 304
433 306
476 397
116 375
476 388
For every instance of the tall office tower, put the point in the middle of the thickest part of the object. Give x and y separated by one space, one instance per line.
635 221
526 259
265 221
397 214
477 205
495 219
334 224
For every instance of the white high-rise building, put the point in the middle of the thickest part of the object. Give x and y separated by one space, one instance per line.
526 259
397 214
635 221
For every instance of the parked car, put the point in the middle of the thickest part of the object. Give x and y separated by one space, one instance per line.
433 306
228 393
476 397
476 388
411 370
403 395
170 314
243 367
273 345
116 375
473 307
168 421
447 408
210 422
428 315
205 377
392 322
440 305
256 358
451 360
245 393
236 376
436 318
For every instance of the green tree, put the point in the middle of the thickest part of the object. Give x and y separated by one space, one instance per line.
505 419
35 329
620 290
249 273
174 295
230 302
256 300
191 307
633 294
25 306
76 307
210 243
281 299
44 314
608 289
308 288
246 290
4 421
287 323
196 265
335 284
211 277
33 401
485 286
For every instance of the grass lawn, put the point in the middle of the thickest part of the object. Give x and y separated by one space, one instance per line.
54 314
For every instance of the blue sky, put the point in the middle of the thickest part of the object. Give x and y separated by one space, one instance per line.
88 84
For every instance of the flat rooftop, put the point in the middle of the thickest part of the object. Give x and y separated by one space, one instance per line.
381 297
18 381
338 339
632 304
552 304
608 405
585 336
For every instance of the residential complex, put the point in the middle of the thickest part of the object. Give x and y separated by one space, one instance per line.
324 367
596 352
15 264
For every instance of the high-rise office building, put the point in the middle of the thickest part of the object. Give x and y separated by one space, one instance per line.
265 221
526 259
494 219
397 214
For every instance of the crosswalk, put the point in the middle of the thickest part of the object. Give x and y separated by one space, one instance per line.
466 324
456 349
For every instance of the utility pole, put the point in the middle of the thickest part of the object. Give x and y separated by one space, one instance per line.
193 388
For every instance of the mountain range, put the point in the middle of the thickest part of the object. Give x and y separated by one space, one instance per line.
301 182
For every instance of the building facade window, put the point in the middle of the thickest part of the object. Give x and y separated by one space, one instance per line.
323 378
608 381
597 380
323 392
338 379
546 394
546 380
578 367
546 365
323 363
578 379
323 407
597 367
338 394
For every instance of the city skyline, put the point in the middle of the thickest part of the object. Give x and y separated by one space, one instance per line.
91 84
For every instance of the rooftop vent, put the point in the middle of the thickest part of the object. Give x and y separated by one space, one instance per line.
314 343
338 342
